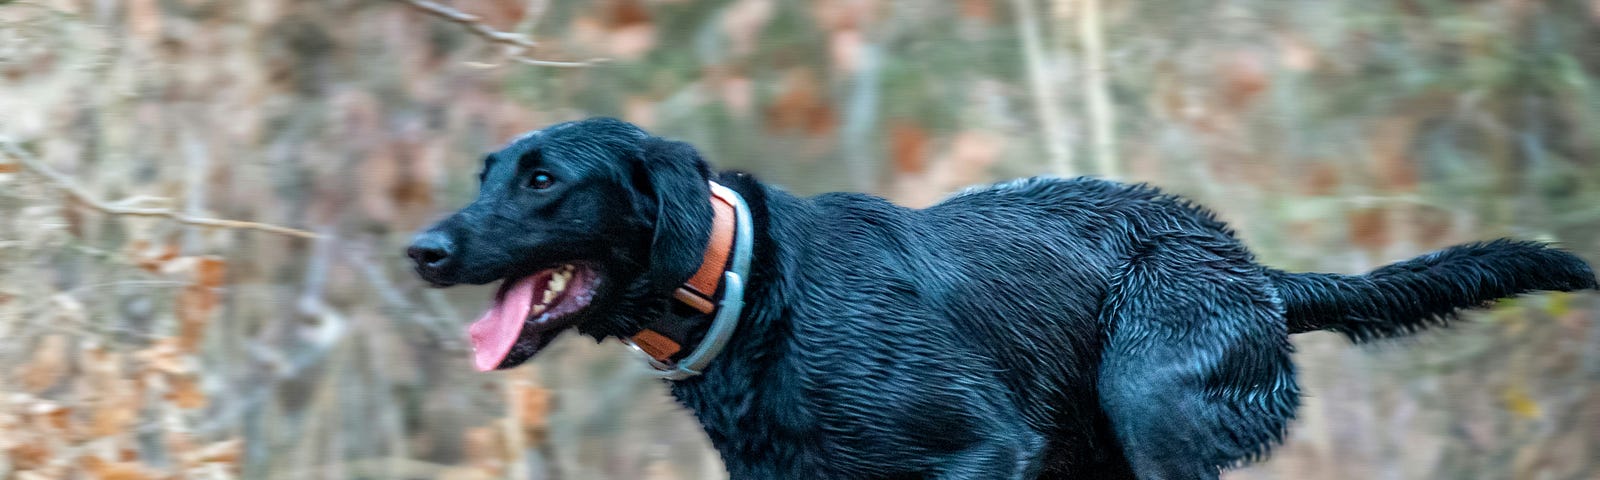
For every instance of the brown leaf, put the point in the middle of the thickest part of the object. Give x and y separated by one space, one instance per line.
150 257
908 147
1369 228
72 215
197 302
626 13
101 469
978 9
112 417
9 168
227 451
802 107
533 404
116 398
29 455
51 416
48 365
184 392
210 271
1244 78
194 309
485 447
1391 152
1323 179
165 357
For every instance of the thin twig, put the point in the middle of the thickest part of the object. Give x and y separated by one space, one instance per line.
33 164
515 45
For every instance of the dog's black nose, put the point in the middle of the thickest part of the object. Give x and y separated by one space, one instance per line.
430 250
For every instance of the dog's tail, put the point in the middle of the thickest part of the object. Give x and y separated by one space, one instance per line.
1425 291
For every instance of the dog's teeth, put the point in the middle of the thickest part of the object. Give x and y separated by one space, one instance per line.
538 309
548 296
558 282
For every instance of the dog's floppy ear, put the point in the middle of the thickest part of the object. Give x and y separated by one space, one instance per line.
674 177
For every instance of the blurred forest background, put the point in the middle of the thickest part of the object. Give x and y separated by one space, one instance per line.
140 340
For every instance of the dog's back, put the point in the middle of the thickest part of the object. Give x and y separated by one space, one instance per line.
1086 318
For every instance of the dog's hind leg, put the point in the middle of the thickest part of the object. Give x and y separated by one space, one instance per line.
1196 373
1014 458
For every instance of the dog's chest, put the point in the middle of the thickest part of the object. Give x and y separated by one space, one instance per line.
759 432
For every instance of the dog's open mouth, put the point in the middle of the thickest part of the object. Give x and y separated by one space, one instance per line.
528 313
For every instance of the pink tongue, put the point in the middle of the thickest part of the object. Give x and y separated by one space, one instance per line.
496 332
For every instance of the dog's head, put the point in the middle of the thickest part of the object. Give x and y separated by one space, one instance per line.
588 224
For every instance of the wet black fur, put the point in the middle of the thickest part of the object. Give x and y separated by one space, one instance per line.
1041 328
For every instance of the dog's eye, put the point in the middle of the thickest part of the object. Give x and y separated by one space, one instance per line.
541 180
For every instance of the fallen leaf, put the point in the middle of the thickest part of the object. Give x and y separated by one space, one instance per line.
908 147
485 448
47 366
227 451
802 107
184 392
533 404
101 469
164 356
1368 228
29 455
51 415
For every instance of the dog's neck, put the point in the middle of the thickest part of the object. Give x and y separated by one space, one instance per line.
748 396
707 306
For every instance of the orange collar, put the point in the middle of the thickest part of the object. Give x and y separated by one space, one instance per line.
700 291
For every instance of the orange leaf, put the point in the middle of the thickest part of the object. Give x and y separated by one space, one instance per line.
9 168
533 405
184 391
209 271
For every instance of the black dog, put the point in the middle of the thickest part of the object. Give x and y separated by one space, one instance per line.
1047 328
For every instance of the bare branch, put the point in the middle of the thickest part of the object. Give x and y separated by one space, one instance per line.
31 163
515 45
